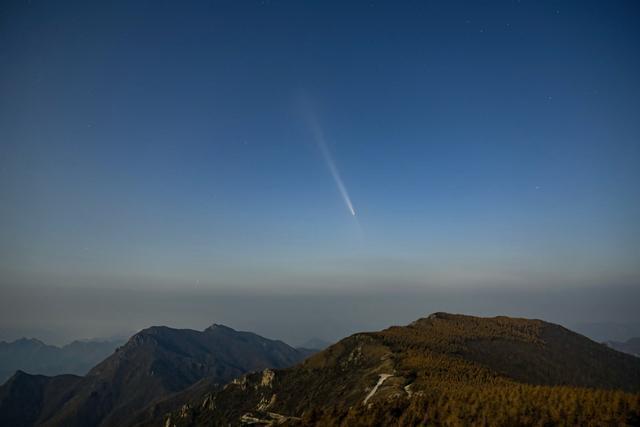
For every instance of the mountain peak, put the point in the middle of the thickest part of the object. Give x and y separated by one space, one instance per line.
439 315
219 327
160 361
19 373
29 341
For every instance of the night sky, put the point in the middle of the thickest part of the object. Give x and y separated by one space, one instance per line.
210 147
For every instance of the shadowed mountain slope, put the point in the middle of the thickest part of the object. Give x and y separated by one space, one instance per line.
24 398
155 363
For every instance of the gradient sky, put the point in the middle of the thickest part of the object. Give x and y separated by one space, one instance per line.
174 146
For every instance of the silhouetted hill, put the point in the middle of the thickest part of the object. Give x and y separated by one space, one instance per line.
35 357
631 346
463 369
24 398
153 364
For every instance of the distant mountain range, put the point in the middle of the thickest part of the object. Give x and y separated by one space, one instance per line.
442 369
608 331
631 346
36 357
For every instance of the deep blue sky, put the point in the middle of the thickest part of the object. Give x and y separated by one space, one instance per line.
167 144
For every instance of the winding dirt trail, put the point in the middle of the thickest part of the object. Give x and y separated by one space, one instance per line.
382 378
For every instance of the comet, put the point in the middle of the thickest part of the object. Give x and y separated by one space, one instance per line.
319 138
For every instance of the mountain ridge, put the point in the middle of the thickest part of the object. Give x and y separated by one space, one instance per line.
34 356
438 356
436 369
156 362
